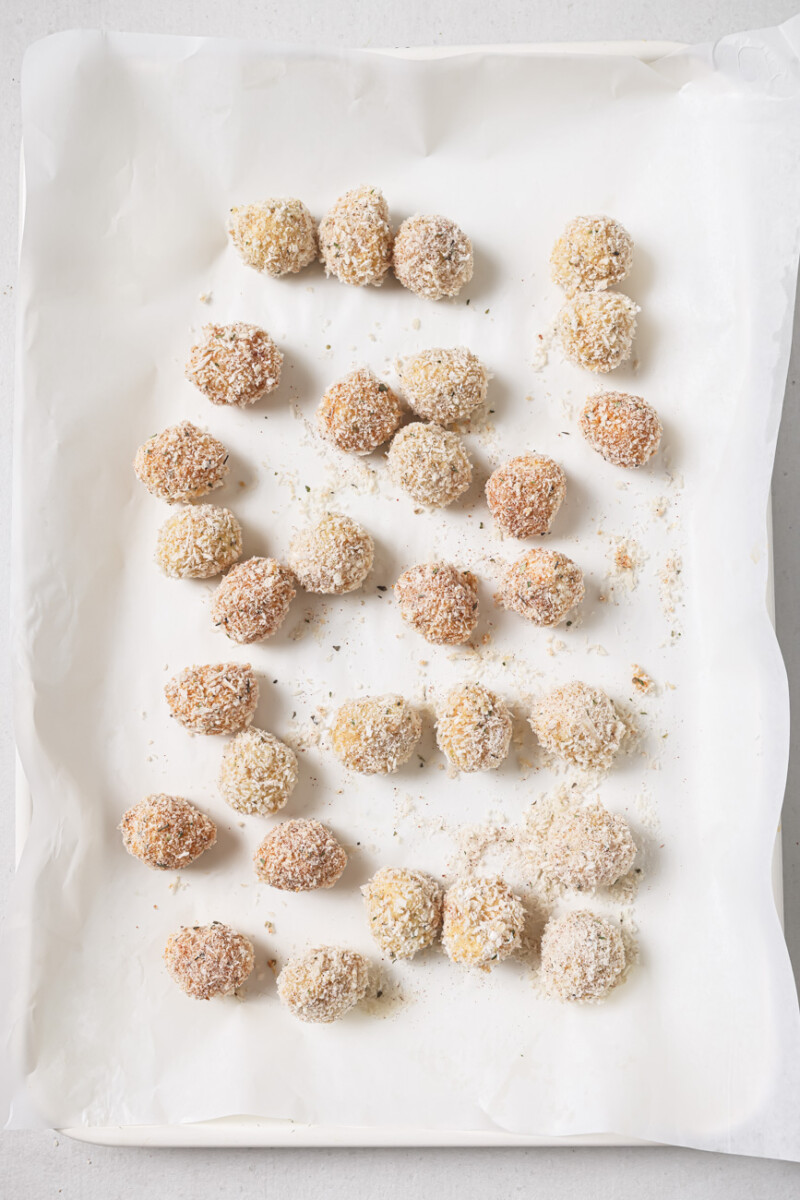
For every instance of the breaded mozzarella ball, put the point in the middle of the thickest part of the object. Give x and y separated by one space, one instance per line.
358 413
209 960
483 922
432 256
473 728
593 253
404 910
218 698
624 429
439 601
525 494
542 586
277 237
578 723
430 463
253 599
323 984
355 240
332 557
583 956
258 773
586 848
597 330
443 385
300 856
198 541
235 364
181 463
167 832
375 734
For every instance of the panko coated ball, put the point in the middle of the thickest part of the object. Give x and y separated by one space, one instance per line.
376 734
332 557
542 586
404 910
209 960
597 330
235 364
258 773
218 698
578 723
432 256
430 463
167 832
583 956
525 494
323 984
443 385
358 413
355 240
482 923
277 237
198 541
300 856
253 599
624 429
473 728
440 602
587 848
181 463
593 253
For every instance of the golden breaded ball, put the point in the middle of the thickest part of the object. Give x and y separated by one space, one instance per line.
218 698
332 557
482 923
253 599
209 960
525 494
278 237
235 364
624 429
181 463
258 773
542 586
376 734
597 330
578 723
300 856
593 253
358 413
198 541
440 602
583 956
443 385
473 728
323 984
430 463
355 240
404 910
167 832
432 256
588 848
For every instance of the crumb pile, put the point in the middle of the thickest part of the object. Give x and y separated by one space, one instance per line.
597 329
579 724
300 856
375 734
358 413
235 364
432 256
258 773
542 586
624 429
324 983
443 385
482 923
277 237
181 463
587 848
593 253
525 494
404 910
332 557
583 956
439 601
219 698
198 541
355 240
253 599
473 728
167 832
430 463
209 960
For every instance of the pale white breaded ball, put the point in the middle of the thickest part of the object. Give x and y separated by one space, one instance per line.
430 463
355 239
258 773
181 463
542 586
253 599
167 832
624 429
300 856
432 256
277 237
440 602
209 960
216 698
198 541
525 494
375 734
473 728
597 330
593 253
332 557
443 385
404 910
322 984
586 848
579 723
583 956
358 413
235 364
482 923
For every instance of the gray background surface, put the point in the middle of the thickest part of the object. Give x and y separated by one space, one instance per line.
41 1164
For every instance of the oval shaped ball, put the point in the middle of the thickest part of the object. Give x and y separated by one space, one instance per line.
440 602
542 586
235 364
430 463
300 856
443 385
276 236
218 698
322 985
209 960
473 728
332 557
355 240
404 910
181 463
578 723
583 956
587 848
253 599
258 773
432 256
624 429
375 734
482 923
198 542
167 832
597 330
593 253
358 413
525 494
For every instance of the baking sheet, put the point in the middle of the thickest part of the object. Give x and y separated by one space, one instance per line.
196 127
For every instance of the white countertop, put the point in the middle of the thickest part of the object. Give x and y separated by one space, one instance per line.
39 1164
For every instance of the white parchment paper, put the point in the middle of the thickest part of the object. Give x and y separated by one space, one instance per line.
134 150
